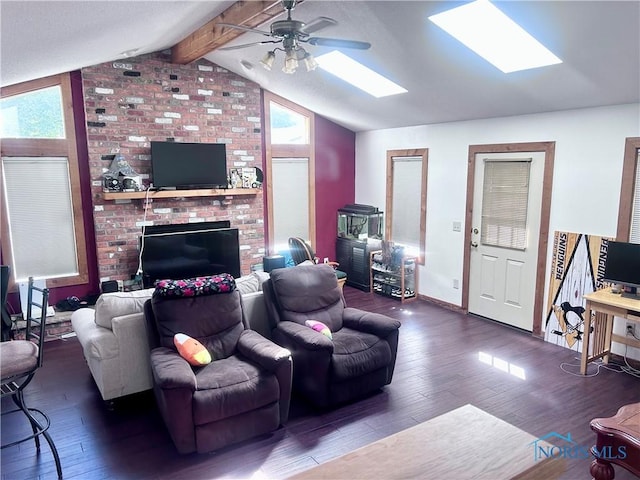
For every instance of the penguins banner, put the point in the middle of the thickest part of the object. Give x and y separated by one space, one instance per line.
577 268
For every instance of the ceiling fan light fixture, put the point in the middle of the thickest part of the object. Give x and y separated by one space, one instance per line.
290 34
268 59
290 62
310 62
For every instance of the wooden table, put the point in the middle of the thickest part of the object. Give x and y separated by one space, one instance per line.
617 441
463 444
601 307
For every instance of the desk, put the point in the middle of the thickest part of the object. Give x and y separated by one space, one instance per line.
601 307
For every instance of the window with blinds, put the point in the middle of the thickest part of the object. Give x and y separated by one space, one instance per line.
505 199
406 200
42 238
634 232
290 170
290 177
42 214
406 205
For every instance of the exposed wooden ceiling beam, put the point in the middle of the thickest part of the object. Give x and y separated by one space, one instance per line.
210 36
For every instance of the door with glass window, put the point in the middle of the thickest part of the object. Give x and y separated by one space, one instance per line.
504 236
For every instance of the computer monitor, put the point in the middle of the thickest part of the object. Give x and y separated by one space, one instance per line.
622 266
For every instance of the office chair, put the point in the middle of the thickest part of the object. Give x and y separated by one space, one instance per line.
19 361
301 251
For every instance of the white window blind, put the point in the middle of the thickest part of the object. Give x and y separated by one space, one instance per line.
38 198
634 234
407 185
290 199
505 199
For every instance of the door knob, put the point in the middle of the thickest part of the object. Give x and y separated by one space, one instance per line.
474 244
475 231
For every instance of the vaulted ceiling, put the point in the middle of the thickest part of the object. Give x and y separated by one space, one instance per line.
598 41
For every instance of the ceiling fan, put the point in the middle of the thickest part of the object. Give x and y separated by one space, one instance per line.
291 33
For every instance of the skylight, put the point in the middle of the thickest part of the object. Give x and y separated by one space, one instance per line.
495 37
358 75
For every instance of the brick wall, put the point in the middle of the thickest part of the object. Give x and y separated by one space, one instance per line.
132 102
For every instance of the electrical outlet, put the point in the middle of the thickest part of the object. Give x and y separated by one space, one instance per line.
456 283
630 329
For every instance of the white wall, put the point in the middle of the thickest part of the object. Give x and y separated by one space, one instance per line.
586 186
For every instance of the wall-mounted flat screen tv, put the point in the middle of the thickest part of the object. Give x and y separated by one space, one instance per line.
188 165
623 264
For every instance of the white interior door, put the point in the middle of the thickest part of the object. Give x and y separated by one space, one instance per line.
504 241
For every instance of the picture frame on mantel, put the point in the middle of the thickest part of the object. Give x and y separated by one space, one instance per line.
245 177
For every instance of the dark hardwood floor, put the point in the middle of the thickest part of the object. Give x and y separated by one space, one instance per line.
437 370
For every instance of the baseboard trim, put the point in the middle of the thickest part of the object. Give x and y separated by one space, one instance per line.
440 303
619 360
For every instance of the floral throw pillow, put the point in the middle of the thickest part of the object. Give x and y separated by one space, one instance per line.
193 287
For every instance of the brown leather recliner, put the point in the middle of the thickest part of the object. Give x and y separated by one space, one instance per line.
360 357
245 390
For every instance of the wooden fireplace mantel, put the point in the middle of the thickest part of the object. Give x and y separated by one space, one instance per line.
205 192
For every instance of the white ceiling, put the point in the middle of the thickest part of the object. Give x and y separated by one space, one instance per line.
598 41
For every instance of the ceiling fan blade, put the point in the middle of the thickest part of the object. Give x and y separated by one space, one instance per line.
338 43
245 45
246 29
318 24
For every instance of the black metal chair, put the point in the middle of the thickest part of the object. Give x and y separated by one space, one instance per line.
19 361
6 324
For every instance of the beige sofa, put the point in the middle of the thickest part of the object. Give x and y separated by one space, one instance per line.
114 335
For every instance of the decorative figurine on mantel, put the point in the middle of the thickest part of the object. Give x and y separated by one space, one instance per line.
121 176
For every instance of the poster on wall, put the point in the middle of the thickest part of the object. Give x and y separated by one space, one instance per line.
577 268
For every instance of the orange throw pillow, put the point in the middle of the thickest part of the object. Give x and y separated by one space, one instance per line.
191 350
